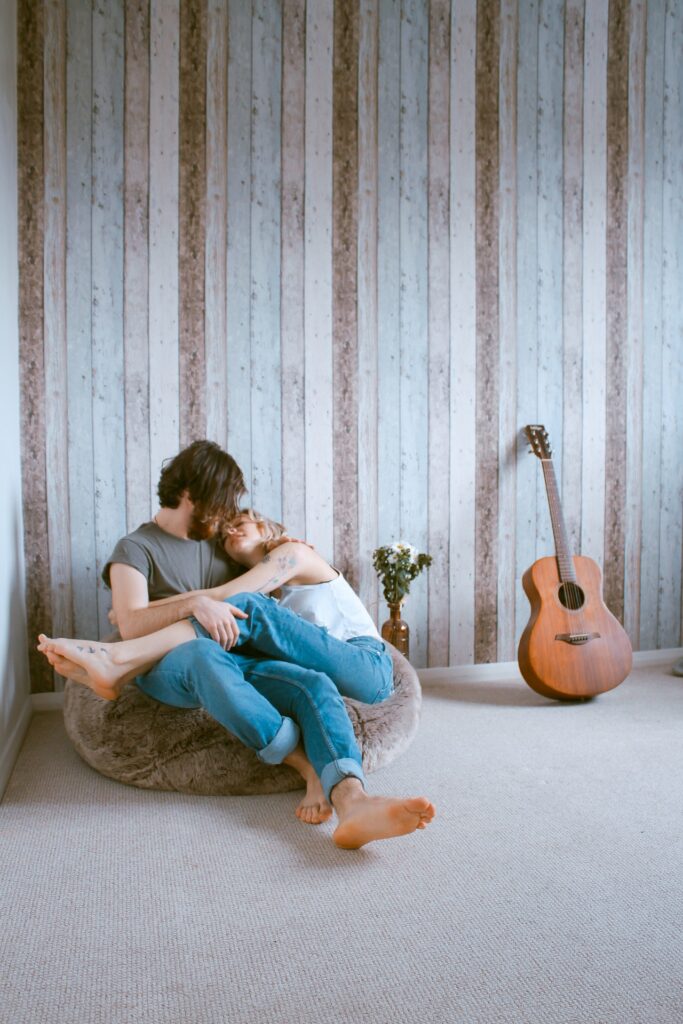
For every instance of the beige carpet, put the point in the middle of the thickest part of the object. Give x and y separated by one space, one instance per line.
548 890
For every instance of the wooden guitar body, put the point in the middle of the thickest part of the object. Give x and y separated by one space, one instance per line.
571 653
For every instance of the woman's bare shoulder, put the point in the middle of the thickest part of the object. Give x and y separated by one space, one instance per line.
310 567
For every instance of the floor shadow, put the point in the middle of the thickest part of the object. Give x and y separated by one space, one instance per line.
508 694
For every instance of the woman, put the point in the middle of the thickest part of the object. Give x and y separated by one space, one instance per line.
338 639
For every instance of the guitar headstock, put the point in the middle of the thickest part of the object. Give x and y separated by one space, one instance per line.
537 437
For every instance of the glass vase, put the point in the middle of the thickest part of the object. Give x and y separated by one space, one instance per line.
395 631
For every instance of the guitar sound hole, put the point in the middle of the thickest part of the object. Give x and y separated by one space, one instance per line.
571 596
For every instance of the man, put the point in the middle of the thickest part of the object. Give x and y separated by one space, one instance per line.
267 704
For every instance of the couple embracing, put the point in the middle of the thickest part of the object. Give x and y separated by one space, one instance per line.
189 597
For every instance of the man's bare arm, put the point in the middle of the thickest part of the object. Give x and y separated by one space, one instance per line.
135 616
291 560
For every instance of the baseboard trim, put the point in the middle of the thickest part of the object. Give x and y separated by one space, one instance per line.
500 671
47 701
508 671
646 659
13 745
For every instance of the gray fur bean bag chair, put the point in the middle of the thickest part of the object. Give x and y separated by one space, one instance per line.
143 743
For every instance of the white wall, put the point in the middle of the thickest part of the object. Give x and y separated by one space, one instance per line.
15 700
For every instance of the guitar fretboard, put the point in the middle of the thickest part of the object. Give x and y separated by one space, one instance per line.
565 562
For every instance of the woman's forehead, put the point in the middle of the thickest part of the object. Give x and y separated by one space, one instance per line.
241 518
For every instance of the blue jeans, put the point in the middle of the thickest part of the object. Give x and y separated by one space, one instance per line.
360 668
260 699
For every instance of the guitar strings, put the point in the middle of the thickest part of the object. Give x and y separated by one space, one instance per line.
570 589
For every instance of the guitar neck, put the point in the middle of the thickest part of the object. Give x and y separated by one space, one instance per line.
565 562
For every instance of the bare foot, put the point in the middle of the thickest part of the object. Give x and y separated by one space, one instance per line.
86 663
70 670
364 818
314 808
66 668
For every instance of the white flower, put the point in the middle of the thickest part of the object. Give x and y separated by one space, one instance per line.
401 548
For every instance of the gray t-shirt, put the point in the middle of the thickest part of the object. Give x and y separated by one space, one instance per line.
170 564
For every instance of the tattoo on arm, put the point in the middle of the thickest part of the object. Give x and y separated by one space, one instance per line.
284 562
269 585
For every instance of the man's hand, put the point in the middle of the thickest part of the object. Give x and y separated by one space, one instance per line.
218 619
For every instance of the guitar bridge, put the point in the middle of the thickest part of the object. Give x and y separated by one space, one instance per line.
576 639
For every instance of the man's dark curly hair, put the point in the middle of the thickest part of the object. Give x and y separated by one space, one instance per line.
211 477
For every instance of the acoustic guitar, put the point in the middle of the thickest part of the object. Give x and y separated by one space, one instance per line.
573 647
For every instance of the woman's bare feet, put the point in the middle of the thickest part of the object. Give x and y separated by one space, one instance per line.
66 668
364 818
314 808
91 664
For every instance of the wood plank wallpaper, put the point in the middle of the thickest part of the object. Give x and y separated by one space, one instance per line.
360 243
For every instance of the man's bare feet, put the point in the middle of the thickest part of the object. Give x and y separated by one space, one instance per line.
364 818
90 664
314 808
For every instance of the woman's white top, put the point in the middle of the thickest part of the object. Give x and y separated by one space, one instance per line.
333 605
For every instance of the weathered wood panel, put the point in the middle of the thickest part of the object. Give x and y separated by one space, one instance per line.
529 487
81 476
671 535
635 325
652 326
462 467
164 385
30 62
238 336
572 269
413 303
388 273
139 475
594 280
108 416
345 287
55 335
367 276
215 271
616 312
318 391
266 405
192 219
487 326
549 192
439 328
507 321
292 299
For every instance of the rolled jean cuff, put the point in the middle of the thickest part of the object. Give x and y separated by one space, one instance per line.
283 743
335 771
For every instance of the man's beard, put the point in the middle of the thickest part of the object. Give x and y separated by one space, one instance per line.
201 528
